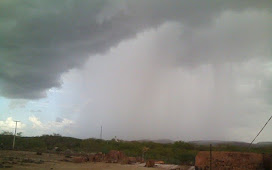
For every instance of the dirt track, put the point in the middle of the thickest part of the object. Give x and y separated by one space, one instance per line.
30 160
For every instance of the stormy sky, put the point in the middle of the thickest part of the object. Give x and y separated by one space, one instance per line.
180 69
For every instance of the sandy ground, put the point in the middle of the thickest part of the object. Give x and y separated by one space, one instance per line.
30 160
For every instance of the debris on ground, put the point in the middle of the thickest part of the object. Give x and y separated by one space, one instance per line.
150 163
115 156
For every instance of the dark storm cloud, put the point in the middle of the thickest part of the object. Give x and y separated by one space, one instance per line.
40 40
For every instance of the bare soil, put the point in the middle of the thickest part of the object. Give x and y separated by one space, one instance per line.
30 160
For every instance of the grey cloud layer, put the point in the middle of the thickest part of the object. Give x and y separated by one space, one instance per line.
145 96
40 40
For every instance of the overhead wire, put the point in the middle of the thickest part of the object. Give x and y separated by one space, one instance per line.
259 132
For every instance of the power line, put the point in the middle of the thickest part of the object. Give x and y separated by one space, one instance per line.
259 132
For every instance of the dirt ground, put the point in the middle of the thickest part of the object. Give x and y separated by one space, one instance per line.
30 160
87 165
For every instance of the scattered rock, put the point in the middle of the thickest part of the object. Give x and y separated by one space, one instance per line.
159 162
39 162
150 163
9 162
66 160
91 158
124 161
8 166
140 159
129 160
68 153
27 160
10 158
79 159
57 149
99 157
132 160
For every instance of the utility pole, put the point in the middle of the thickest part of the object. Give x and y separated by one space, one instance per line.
210 156
14 134
101 133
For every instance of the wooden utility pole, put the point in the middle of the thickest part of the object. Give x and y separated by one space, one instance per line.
14 135
210 156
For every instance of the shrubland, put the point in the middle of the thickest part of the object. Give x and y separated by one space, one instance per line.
178 152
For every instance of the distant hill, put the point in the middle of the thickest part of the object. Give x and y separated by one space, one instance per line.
264 144
161 141
218 142
208 142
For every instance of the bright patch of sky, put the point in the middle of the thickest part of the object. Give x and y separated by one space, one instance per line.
49 111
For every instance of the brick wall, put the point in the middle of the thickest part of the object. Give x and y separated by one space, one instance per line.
229 160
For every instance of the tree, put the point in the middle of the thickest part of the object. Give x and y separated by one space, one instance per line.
6 133
144 150
19 134
56 134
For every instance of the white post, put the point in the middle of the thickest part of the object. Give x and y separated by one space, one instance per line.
101 133
14 135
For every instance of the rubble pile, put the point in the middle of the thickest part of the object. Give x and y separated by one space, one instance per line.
115 156
150 163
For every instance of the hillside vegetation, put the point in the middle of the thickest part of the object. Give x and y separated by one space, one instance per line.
176 153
